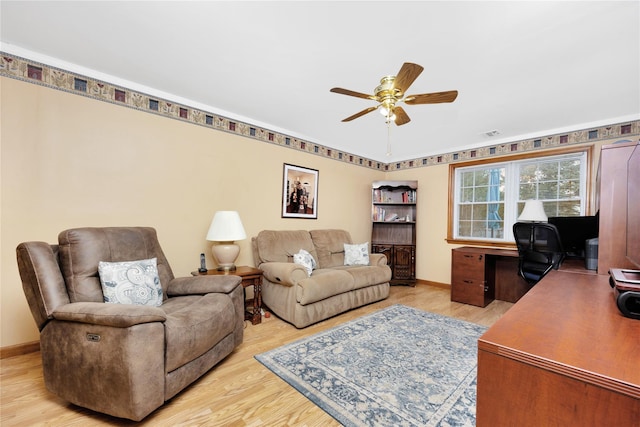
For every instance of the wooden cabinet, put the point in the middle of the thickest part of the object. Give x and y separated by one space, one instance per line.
401 259
393 216
404 263
611 201
472 277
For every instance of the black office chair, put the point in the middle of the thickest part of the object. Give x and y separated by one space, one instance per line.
539 249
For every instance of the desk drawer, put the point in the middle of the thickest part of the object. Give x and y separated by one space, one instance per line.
468 264
469 291
468 279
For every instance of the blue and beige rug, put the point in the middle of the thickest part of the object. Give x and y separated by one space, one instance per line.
399 366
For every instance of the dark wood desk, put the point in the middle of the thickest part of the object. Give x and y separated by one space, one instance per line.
480 275
562 356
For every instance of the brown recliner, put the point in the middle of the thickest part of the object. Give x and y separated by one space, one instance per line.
122 359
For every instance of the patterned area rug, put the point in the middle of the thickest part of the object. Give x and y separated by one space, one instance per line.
399 366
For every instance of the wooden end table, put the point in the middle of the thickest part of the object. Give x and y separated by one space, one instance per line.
250 277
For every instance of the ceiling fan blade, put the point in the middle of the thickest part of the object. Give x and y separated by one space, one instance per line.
407 75
432 98
352 93
401 116
361 113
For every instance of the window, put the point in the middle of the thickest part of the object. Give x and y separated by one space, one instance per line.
488 197
480 202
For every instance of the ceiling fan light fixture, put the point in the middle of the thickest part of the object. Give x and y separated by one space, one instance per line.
387 113
384 111
391 92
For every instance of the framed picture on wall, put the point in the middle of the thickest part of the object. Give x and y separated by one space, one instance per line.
299 192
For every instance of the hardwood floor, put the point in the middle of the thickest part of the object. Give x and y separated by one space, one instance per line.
237 392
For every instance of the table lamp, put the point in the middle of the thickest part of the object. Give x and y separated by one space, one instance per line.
533 212
226 228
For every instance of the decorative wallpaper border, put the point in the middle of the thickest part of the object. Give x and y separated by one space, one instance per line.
41 74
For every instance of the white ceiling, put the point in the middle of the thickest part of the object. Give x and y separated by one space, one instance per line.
526 69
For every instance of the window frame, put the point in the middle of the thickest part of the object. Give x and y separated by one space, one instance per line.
588 151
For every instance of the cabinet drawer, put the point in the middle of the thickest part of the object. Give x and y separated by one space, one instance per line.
468 264
469 291
469 278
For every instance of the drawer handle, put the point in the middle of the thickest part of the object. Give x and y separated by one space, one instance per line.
468 281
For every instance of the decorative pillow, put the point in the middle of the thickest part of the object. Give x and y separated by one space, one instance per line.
356 254
131 282
306 260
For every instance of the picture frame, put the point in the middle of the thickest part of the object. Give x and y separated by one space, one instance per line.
299 192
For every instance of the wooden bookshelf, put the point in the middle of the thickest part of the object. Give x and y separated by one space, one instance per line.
393 231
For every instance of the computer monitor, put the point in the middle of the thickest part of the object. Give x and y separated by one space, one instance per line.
574 232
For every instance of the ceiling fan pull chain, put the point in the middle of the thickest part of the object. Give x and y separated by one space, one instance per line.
388 138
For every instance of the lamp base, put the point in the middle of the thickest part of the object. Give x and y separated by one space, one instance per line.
225 254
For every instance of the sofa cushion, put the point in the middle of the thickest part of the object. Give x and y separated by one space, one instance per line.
131 282
329 245
194 325
323 283
281 245
356 254
367 275
305 259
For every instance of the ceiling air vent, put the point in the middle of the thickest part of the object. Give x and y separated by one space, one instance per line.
491 133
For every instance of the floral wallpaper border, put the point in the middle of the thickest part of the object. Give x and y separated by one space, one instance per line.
34 72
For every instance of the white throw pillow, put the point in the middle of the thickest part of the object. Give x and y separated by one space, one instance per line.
131 282
356 254
306 260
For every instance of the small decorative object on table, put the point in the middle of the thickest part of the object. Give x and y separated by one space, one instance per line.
203 264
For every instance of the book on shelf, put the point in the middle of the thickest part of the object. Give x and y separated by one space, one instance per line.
409 196
378 214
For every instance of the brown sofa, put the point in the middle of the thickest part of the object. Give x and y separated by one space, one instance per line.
332 288
122 359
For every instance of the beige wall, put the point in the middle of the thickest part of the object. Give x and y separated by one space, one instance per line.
433 253
70 161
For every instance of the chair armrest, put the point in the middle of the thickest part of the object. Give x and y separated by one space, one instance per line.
283 273
377 259
200 285
108 314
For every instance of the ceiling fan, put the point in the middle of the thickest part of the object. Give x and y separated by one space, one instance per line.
391 91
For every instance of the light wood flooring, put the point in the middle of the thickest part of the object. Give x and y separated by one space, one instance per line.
237 392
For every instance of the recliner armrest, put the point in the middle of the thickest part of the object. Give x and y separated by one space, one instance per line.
107 314
200 285
377 259
283 273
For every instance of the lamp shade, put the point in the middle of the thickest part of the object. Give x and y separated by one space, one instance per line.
226 227
533 212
